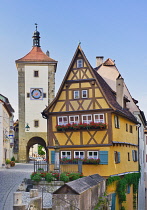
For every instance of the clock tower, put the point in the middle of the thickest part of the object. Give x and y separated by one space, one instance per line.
36 89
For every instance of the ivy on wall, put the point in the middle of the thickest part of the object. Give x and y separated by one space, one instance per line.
122 183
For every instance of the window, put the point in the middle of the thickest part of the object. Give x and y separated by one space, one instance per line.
79 154
86 118
76 94
66 154
36 123
44 95
62 120
126 127
84 94
117 157
74 119
131 129
128 189
28 95
128 156
92 154
134 155
79 63
116 120
99 118
36 73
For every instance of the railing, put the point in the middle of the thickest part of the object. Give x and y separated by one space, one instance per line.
40 166
75 166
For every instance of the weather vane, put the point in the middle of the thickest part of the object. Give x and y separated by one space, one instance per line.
36 26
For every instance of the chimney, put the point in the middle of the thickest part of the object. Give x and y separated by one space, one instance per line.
47 53
99 60
120 90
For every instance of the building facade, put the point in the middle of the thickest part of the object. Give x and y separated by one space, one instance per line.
6 130
108 70
89 121
36 88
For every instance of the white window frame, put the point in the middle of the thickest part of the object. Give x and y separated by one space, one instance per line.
63 122
93 157
66 156
76 91
86 94
116 121
79 156
74 116
79 63
99 120
87 118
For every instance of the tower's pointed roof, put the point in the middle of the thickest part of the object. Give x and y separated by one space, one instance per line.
36 55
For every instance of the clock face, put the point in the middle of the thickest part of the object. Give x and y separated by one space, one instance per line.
36 93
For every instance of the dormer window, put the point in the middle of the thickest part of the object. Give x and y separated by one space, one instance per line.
79 63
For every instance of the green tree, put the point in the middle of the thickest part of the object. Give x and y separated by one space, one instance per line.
40 151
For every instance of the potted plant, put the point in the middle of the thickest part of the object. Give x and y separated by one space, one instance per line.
8 163
12 162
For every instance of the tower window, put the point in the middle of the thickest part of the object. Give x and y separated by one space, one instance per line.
36 123
44 95
28 95
79 63
36 73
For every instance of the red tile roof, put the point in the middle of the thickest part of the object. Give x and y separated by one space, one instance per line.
36 55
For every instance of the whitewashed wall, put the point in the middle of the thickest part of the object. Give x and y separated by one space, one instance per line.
33 108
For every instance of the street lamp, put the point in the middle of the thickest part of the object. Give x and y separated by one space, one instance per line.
27 127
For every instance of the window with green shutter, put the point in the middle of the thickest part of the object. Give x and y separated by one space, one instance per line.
103 155
52 157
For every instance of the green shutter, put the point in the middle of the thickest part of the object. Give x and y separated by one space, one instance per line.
113 201
103 155
52 157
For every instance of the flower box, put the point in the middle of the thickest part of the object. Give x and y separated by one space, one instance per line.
84 161
81 126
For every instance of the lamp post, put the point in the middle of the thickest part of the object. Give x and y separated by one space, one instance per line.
27 127
57 161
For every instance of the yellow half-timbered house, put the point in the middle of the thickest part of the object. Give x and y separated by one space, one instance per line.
90 121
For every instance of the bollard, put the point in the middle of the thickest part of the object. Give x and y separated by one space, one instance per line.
17 198
33 193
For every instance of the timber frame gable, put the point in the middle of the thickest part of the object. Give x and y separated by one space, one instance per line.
83 95
76 75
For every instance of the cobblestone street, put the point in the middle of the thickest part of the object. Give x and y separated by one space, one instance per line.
9 181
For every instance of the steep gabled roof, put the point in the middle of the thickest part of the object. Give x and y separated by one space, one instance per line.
36 55
109 62
104 87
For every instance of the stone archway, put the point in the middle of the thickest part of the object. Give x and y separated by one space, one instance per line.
35 140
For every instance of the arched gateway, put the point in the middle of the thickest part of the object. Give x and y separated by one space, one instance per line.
36 89
35 140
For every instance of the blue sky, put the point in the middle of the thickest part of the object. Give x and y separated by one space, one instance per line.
114 29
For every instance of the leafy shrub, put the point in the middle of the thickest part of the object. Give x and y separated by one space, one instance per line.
64 177
13 159
8 161
74 176
36 177
49 177
40 169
